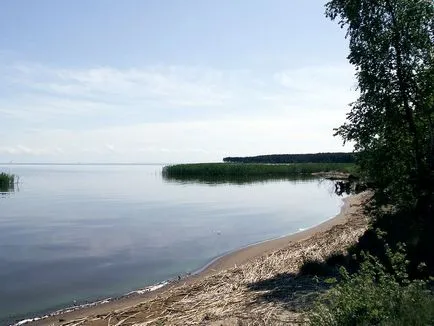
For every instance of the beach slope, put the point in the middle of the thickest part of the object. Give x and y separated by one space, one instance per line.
255 285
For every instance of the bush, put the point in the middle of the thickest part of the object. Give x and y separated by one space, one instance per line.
374 297
391 228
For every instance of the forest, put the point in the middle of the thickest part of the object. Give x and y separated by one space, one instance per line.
295 158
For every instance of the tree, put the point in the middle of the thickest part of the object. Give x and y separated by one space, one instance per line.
391 123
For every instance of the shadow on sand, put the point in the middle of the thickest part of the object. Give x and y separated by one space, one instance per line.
295 292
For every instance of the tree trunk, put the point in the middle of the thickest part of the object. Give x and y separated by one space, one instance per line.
403 90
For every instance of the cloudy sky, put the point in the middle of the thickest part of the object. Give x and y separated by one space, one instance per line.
169 81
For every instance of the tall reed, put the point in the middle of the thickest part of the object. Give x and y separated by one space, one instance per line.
243 169
7 181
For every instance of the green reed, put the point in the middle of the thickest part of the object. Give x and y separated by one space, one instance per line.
244 169
7 181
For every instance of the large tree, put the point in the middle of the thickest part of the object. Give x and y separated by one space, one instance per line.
391 123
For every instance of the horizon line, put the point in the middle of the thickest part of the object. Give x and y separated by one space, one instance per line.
83 163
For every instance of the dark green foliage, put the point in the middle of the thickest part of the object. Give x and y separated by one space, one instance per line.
6 181
391 123
216 170
374 297
391 229
295 158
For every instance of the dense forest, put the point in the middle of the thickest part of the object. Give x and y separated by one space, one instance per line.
295 158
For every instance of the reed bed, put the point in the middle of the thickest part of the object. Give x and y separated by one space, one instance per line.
264 291
219 170
7 181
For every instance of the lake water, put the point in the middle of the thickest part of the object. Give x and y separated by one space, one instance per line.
88 232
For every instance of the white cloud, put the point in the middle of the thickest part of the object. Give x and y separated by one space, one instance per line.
110 147
178 86
320 78
24 150
171 142
40 107
170 113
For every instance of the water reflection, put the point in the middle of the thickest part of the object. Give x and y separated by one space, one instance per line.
6 191
88 232
339 188
4 194
234 180
349 187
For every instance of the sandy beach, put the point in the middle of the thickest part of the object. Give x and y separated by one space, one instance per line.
233 289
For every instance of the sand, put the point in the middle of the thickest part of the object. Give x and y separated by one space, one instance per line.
232 289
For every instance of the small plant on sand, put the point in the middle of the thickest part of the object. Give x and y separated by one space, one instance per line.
374 297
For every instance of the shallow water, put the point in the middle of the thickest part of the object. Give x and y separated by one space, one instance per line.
87 232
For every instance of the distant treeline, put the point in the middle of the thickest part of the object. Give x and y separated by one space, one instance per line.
239 170
295 158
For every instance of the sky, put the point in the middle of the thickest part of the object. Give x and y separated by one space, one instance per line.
169 81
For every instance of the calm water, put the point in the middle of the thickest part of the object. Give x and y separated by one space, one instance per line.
87 232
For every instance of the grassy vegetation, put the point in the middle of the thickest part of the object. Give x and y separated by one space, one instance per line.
7 181
372 296
216 170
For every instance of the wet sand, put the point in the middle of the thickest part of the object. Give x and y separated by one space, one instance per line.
243 257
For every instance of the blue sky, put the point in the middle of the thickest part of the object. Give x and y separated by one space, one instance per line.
169 81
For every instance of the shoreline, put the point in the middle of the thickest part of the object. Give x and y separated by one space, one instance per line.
236 258
242 255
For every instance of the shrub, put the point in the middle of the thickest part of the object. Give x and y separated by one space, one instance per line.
374 297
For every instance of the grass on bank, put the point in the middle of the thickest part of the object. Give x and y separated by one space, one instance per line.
245 170
7 181
373 296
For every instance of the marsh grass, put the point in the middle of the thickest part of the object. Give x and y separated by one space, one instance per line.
240 170
7 181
